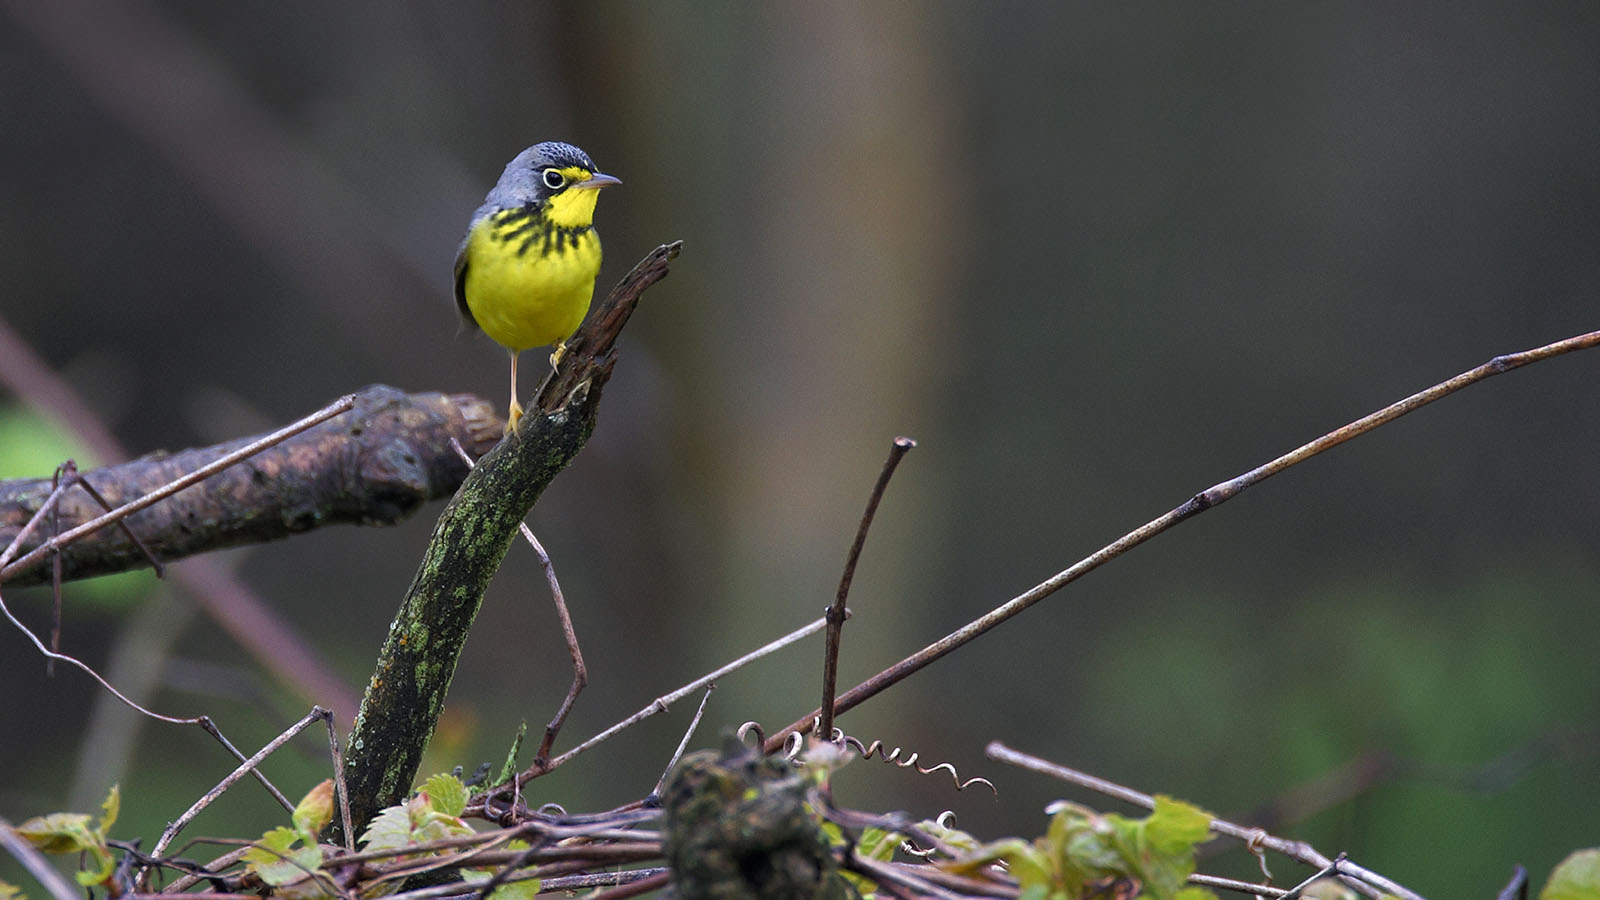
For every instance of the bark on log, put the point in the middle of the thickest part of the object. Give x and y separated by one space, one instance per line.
374 465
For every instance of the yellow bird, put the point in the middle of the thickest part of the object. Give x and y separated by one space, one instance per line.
526 268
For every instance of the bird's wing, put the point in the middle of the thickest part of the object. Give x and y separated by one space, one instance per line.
461 283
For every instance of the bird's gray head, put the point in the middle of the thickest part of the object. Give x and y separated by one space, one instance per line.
542 171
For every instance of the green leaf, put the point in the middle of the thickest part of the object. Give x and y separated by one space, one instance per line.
1033 870
875 843
9 891
104 865
277 861
878 844
1175 827
59 833
510 767
314 811
526 889
448 794
1095 847
111 806
1159 849
390 829
1083 850
1016 853
833 833
436 826
293 872
954 838
71 833
1575 878
414 822
515 890
272 846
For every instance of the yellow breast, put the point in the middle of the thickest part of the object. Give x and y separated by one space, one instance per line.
528 280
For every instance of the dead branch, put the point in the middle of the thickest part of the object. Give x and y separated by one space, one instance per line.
1213 496
373 466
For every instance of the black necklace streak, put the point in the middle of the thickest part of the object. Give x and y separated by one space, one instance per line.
529 224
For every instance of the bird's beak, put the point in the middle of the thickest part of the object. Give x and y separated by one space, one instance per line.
598 180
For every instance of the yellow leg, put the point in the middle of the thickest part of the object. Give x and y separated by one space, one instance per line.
555 355
514 414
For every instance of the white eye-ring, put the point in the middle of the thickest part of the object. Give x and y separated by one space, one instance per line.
553 179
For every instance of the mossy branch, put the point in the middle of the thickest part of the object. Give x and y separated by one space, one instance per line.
471 538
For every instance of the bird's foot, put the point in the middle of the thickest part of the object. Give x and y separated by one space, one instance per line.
513 417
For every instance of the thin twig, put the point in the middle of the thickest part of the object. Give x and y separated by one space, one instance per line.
338 780
964 885
580 672
88 670
67 475
655 792
549 857
1234 884
172 895
661 703
479 851
886 874
246 767
635 888
1517 887
579 882
54 544
1332 868
56 484
313 873
504 873
1200 502
210 727
46 509
209 872
1299 851
561 841
133 538
837 612
466 842
415 865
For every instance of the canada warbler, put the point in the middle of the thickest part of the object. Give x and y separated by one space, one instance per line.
525 271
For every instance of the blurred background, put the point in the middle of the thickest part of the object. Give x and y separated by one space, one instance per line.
1092 259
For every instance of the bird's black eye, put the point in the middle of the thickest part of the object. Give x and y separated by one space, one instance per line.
553 179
